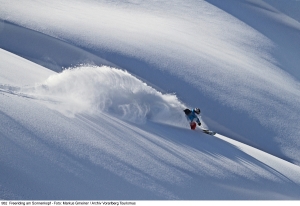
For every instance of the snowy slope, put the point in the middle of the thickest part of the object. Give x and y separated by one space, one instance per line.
99 132
47 154
234 66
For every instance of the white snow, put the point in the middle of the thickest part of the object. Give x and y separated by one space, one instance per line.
88 89
111 126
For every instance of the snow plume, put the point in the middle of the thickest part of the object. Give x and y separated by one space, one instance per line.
88 89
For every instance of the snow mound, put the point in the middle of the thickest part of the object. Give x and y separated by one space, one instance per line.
89 89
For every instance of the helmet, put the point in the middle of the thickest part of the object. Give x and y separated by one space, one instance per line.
197 110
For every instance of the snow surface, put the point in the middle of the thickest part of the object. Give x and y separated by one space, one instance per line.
111 126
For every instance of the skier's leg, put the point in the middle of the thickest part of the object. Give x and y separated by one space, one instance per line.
193 125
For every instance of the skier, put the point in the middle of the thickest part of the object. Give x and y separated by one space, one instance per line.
192 117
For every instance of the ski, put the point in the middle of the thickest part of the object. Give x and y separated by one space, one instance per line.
206 131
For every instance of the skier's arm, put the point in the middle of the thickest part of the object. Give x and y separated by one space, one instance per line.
198 121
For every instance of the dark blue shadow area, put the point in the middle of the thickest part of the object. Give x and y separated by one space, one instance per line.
42 49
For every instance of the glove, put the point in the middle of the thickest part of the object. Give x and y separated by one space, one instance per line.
199 123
